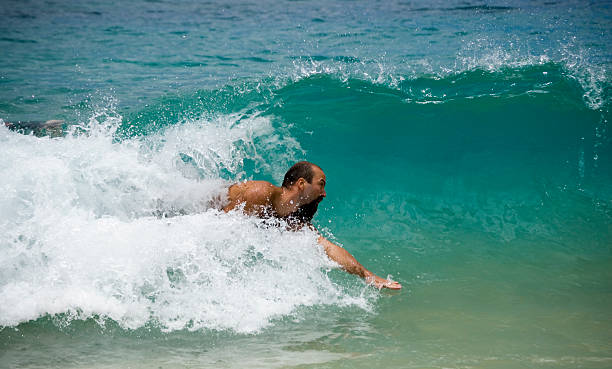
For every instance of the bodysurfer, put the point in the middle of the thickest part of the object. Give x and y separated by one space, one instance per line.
296 201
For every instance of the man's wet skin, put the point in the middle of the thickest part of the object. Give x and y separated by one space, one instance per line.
297 201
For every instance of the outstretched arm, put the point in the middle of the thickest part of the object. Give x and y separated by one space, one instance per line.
351 265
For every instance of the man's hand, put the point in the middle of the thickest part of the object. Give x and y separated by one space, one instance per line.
381 283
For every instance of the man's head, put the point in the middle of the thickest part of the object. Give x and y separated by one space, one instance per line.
308 179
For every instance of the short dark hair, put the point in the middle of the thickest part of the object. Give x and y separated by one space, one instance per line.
302 169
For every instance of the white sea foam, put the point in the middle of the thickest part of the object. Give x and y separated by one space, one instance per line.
128 231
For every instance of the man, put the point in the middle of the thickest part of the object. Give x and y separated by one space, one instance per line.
296 201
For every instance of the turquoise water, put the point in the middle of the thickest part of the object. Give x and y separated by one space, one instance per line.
467 152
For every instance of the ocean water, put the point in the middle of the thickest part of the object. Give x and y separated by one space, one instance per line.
467 150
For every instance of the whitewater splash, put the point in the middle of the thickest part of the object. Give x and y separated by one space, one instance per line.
128 230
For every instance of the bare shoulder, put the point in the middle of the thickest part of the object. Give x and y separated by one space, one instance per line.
251 193
259 192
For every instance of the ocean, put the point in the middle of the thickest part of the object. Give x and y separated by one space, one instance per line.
468 156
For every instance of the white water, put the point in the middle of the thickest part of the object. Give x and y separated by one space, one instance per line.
128 231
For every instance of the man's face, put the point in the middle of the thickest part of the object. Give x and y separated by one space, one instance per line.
315 191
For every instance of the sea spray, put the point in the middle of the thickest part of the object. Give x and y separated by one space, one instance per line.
130 231
203 271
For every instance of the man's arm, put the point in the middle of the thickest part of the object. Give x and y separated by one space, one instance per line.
351 265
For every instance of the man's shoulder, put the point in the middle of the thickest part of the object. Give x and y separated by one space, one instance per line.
259 190
259 185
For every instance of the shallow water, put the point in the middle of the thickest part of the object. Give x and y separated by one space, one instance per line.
467 152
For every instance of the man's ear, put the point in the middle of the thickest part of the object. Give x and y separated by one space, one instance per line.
301 182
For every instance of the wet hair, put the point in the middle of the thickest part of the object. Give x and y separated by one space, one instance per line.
302 169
